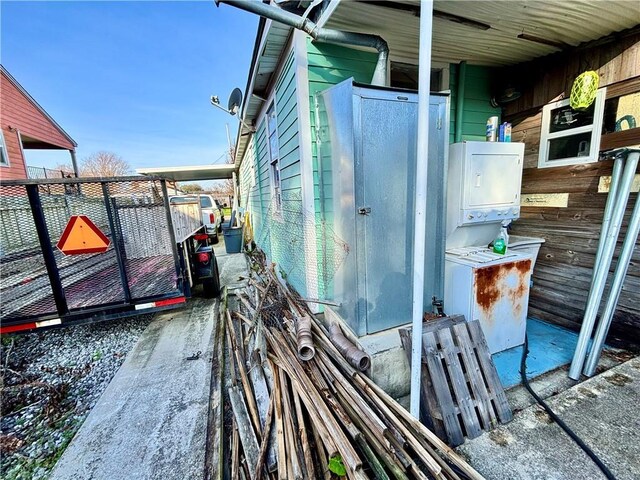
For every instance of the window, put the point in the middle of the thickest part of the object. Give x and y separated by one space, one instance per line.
274 154
205 202
405 75
570 137
4 156
621 124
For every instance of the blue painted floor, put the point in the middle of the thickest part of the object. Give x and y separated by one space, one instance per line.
550 347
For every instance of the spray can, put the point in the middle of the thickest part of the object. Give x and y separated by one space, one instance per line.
505 132
492 129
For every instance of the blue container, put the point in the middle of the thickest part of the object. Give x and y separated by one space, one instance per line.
233 239
226 226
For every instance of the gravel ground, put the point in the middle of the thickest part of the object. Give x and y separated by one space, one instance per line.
49 384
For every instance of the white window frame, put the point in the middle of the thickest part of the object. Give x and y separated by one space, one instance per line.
4 154
595 129
274 160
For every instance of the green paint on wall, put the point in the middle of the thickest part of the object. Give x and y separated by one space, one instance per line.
328 66
477 94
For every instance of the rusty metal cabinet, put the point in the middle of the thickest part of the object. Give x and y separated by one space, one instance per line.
490 288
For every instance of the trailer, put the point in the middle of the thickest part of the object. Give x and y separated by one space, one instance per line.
81 250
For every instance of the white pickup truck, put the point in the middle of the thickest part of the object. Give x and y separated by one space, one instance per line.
210 212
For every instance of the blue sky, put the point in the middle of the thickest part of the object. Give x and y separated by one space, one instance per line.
133 78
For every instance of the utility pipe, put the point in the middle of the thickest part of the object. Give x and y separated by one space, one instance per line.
462 77
74 162
618 164
420 223
327 35
608 209
600 275
306 350
356 357
616 286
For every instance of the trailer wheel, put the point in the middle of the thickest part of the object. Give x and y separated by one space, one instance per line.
211 286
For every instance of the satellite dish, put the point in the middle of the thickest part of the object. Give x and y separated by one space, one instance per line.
235 100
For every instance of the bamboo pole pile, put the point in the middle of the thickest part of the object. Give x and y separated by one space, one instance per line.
308 413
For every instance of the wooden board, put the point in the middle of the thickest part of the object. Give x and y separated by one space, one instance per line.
461 391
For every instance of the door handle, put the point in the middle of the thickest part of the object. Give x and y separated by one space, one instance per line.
364 210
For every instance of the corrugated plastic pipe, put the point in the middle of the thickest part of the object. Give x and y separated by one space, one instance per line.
616 286
600 275
327 35
306 350
353 354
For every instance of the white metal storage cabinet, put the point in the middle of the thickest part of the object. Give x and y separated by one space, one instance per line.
366 165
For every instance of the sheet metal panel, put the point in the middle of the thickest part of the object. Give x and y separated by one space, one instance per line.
368 163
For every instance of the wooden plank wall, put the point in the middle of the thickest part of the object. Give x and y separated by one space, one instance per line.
563 270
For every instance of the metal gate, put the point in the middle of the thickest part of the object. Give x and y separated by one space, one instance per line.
41 286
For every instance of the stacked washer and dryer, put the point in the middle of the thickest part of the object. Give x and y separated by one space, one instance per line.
483 193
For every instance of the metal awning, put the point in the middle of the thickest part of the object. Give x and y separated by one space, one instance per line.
485 33
186 174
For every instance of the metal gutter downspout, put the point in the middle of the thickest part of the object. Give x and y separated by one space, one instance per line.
601 270
462 77
420 234
327 35
616 286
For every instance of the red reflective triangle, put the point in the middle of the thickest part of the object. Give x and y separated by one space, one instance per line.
81 235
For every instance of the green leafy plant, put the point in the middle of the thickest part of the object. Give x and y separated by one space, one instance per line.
97 355
336 466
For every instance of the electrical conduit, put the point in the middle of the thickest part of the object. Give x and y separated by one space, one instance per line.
327 35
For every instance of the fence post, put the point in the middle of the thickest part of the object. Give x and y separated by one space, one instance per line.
116 243
47 250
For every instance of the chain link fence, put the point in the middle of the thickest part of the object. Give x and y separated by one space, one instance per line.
307 251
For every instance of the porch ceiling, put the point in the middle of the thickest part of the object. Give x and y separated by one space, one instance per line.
560 21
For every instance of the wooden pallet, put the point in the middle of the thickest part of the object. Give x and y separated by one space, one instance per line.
461 392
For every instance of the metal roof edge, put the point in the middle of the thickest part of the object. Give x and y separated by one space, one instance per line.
36 104
327 12
250 80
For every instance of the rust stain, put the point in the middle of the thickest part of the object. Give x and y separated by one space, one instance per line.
489 279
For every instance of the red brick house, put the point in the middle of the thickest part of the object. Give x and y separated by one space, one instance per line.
26 125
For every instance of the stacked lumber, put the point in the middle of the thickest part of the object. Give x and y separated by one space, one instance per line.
301 410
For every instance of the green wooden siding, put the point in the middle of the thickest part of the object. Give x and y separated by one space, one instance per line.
477 109
280 235
328 66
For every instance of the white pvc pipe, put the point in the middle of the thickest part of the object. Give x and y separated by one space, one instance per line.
616 286
420 224
600 275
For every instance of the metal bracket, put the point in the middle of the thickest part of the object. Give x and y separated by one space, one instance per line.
438 304
364 210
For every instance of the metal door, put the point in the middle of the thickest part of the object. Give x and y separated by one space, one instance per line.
385 193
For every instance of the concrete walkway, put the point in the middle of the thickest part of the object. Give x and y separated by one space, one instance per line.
151 421
603 411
